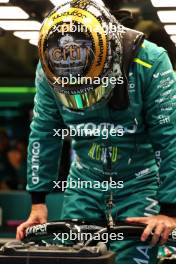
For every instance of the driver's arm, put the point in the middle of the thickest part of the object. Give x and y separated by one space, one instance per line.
160 109
44 151
160 113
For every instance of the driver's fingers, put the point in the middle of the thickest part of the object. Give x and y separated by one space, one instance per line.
28 223
148 230
21 230
157 234
165 235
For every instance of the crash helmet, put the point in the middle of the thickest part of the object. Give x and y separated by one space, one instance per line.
80 50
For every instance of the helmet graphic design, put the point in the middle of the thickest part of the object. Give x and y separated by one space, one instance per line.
78 49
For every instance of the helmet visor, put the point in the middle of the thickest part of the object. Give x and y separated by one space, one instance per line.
84 100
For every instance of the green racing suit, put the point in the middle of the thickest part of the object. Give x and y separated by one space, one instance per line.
140 141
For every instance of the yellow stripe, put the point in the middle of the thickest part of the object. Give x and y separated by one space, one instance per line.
145 64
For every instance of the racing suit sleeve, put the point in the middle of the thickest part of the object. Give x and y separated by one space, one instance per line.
44 149
160 114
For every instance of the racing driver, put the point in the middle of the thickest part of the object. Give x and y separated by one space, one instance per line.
95 75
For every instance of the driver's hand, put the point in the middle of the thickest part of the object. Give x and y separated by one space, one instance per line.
38 215
160 225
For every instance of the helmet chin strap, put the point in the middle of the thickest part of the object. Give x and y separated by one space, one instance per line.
132 41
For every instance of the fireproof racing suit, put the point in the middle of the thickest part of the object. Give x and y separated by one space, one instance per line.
141 143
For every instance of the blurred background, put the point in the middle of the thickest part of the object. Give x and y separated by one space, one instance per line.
20 22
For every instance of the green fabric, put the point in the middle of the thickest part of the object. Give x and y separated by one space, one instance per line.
145 131
91 204
148 125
